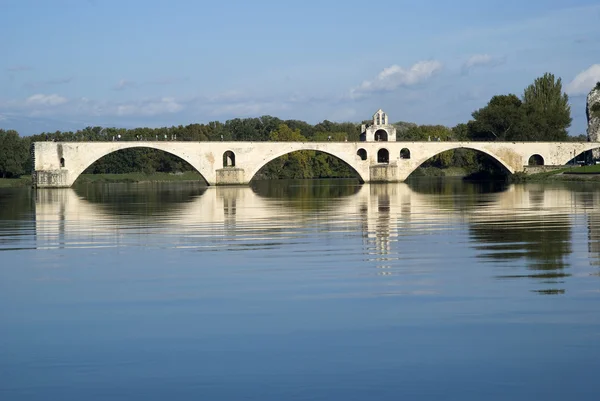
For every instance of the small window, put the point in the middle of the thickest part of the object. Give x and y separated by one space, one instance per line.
536 160
362 154
383 117
378 119
405 154
62 161
383 156
229 159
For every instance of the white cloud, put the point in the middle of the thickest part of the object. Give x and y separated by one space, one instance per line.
124 84
481 60
150 107
45 100
584 81
395 76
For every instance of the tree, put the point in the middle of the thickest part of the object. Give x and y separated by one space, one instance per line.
286 134
547 109
13 154
502 119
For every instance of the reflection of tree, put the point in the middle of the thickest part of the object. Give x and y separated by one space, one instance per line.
307 194
134 200
594 238
455 193
543 245
16 207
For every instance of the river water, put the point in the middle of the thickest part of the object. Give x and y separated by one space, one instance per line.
306 290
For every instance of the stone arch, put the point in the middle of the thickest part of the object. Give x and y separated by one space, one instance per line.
416 163
112 147
362 153
535 160
62 161
383 155
381 135
229 159
251 173
405 153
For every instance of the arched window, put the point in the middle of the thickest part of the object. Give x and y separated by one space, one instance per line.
62 161
383 118
362 154
229 159
536 160
381 135
405 153
383 156
378 119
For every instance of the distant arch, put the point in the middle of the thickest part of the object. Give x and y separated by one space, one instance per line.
352 164
383 155
405 153
421 159
536 160
381 135
229 159
362 153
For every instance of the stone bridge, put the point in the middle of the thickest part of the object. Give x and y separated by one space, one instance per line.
58 164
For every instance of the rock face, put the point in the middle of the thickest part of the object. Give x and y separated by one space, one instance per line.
593 118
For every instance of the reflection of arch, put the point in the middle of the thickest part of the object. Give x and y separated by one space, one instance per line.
536 160
362 154
229 159
381 135
62 161
405 153
383 156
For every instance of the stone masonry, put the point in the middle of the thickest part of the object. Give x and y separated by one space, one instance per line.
593 118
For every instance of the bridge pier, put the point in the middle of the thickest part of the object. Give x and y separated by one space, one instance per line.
51 179
231 176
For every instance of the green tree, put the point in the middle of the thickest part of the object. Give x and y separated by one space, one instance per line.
283 133
13 154
502 119
547 109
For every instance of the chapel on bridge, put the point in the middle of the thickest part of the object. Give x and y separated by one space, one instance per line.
380 131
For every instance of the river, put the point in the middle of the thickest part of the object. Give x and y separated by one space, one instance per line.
302 290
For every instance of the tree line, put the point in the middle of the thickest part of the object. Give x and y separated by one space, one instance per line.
542 113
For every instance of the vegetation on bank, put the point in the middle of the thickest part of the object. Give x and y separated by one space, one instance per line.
138 177
542 113
22 181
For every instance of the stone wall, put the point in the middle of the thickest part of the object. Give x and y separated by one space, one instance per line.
593 129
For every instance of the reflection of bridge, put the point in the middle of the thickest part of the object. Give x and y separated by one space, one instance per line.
58 164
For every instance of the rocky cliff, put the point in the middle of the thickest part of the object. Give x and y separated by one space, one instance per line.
593 118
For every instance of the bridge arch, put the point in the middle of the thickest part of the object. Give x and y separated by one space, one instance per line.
76 169
417 161
350 160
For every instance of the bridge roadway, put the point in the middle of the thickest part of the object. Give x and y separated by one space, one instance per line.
58 164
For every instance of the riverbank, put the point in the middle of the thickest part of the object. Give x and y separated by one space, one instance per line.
138 177
575 173
23 181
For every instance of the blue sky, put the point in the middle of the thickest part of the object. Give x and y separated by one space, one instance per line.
66 64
